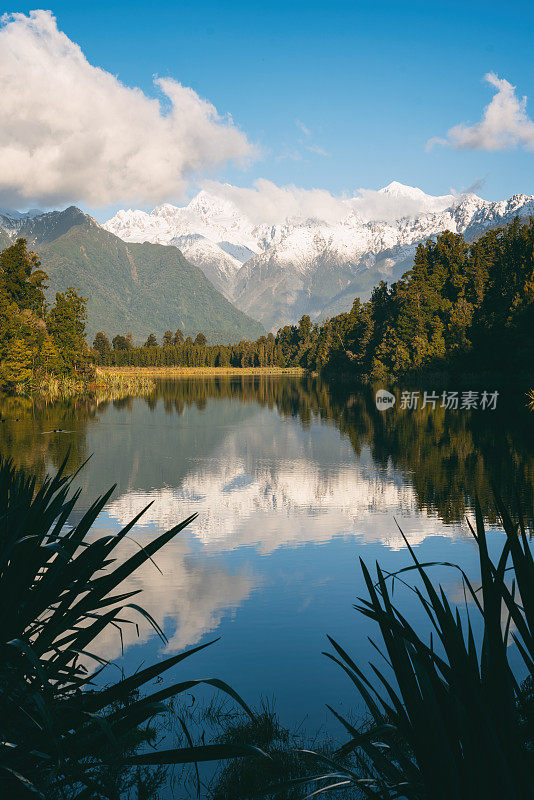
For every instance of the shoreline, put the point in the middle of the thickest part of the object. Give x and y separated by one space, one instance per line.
170 372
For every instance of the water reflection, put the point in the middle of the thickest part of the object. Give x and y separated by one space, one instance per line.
270 504
292 480
188 596
215 445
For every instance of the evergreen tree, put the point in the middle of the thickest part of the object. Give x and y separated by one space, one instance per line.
66 324
101 344
16 365
22 278
151 341
120 343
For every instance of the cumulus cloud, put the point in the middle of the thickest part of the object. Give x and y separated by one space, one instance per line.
504 124
268 203
72 132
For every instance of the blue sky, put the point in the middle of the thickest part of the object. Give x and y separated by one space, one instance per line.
338 96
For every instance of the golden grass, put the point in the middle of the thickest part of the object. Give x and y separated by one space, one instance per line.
112 385
181 372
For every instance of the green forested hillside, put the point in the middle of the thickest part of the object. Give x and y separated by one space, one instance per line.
139 288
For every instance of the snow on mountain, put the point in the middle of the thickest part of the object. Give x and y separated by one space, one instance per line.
422 202
219 266
277 272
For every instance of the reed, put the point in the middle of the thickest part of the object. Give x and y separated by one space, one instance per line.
110 385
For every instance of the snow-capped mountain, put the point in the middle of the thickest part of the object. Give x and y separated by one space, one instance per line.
277 272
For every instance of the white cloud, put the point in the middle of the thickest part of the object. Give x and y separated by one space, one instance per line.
268 203
72 132
305 130
319 151
504 124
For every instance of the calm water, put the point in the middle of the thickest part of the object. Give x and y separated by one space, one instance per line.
292 483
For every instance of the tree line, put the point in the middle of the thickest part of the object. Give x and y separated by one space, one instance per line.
463 307
287 348
37 340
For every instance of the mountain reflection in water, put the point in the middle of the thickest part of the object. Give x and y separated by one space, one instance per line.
292 480
216 443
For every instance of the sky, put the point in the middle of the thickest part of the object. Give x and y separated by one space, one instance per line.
333 96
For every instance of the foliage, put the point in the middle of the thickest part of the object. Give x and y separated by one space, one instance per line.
62 737
267 351
151 341
461 307
289 761
450 719
36 343
101 344
22 279
66 324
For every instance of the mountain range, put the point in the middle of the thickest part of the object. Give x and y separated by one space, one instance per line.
277 272
208 266
137 288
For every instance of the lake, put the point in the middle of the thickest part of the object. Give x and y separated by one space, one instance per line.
293 481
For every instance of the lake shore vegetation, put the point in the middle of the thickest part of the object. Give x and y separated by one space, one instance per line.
452 713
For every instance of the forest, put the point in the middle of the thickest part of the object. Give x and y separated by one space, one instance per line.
463 307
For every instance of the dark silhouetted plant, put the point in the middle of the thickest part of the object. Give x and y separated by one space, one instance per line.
61 735
450 719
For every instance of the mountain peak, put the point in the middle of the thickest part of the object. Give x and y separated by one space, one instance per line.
395 187
413 201
207 203
48 225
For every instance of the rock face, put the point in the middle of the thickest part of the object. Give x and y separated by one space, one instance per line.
276 273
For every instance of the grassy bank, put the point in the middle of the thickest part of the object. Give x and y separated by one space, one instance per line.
104 384
180 372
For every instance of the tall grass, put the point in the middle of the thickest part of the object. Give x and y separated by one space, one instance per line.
103 385
116 386
60 735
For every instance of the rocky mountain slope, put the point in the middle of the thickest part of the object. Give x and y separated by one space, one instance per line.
278 272
137 288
